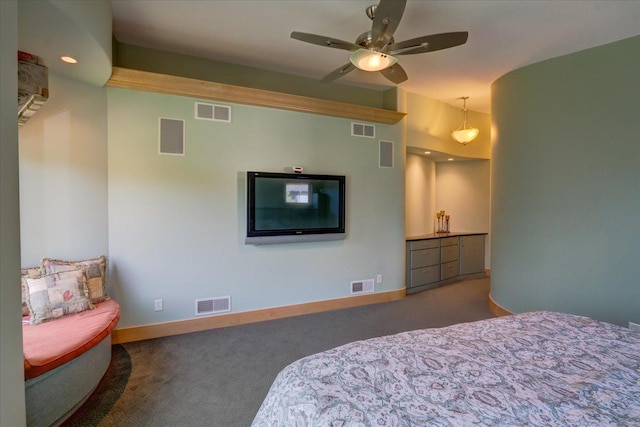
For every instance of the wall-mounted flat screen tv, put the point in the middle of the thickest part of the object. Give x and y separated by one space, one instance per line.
283 207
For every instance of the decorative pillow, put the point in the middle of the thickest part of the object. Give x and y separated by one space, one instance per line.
56 295
33 273
96 270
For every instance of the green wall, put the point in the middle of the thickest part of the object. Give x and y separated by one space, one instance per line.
63 174
12 404
565 185
177 223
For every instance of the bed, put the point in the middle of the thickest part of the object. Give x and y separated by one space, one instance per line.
533 369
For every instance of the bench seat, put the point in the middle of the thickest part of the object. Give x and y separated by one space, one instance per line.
54 343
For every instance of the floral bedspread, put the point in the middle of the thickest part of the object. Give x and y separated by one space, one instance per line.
533 369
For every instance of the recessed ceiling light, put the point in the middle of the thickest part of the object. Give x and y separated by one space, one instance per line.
427 152
450 159
69 59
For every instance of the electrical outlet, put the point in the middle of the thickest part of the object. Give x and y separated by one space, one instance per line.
634 327
379 278
159 306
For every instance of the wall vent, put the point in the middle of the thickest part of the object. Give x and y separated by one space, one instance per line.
363 130
217 113
362 286
385 154
213 305
171 136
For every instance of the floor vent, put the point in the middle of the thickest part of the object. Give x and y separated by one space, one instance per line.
363 130
213 305
217 113
362 286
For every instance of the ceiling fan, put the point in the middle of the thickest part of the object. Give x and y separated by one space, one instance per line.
376 50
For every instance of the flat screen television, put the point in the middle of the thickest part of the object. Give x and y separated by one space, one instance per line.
292 207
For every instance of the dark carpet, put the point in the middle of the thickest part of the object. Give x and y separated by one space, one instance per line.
220 377
108 391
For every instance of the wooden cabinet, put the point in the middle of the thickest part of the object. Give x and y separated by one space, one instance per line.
435 260
450 251
423 262
472 254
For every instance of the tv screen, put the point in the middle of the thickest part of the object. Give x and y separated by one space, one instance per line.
283 207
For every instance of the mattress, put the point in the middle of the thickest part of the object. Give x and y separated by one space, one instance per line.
533 369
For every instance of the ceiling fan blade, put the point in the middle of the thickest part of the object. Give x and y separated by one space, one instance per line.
386 20
338 72
395 73
324 41
428 43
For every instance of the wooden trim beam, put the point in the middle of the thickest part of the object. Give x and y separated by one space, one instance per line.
138 333
497 309
174 85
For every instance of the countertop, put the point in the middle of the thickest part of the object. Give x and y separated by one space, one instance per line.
439 235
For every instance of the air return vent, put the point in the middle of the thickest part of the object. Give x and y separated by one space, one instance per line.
362 286
386 154
363 130
213 305
171 136
217 113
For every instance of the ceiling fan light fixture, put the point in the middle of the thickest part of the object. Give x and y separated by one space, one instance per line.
465 134
370 60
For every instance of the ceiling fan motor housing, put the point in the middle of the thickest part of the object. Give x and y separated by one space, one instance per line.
366 41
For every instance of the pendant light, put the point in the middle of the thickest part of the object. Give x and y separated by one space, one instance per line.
464 134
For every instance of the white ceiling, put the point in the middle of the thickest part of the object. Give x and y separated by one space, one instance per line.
503 36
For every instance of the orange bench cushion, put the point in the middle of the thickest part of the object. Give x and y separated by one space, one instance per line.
54 343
